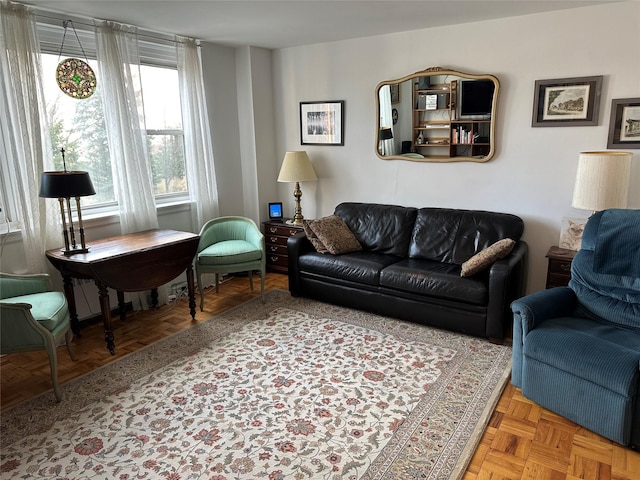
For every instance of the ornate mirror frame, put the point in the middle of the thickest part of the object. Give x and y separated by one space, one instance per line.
437 115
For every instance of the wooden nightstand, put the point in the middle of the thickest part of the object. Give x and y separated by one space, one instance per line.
275 240
559 269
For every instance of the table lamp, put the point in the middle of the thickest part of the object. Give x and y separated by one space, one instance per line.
64 185
296 167
602 180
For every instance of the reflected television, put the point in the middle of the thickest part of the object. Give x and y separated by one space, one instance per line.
476 98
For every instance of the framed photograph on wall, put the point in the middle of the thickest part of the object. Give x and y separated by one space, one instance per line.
395 92
566 102
624 124
322 123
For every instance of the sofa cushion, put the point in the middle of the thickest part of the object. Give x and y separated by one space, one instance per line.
380 228
334 235
486 257
428 277
313 238
599 353
360 267
454 236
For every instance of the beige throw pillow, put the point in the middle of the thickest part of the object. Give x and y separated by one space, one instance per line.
486 257
335 235
313 238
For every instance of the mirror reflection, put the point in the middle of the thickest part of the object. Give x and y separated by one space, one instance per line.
437 115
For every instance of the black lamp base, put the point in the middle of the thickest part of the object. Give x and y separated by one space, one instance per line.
69 252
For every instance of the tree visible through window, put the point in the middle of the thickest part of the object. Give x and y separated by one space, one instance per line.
78 126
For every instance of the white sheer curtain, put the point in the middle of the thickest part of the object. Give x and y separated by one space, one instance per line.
118 65
386 119
201 176
25 149
119 68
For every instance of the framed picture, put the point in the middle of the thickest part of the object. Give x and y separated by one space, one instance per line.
571 233
624 125
395 92
566 102
322 123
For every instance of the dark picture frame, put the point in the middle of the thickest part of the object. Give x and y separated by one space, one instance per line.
624 124
322 123
567 102
394 89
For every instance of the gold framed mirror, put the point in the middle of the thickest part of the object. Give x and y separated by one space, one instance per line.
437 115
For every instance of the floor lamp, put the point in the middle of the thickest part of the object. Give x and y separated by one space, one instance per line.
296 167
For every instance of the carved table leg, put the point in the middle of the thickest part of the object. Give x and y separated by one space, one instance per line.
191 290
122 307
71 302
106 317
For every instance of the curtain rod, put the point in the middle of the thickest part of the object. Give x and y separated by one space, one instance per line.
55 15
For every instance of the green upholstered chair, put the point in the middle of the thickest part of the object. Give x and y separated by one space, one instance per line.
229 245
32 317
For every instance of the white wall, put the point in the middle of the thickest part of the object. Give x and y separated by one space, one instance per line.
533 170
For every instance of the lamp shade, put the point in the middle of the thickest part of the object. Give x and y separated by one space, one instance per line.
386 133
296 167
66 184
602 180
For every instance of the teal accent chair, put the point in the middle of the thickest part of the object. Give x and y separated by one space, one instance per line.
32 317
576 349
230 245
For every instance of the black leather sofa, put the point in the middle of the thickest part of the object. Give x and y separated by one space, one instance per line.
410 264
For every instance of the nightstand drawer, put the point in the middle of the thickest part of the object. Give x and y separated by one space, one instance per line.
281 230
277 249
560 267
279 260
558 280
275 240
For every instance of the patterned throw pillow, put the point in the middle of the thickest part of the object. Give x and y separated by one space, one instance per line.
335 235
313 238
486 257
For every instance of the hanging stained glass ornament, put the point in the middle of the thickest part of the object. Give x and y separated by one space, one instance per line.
74 76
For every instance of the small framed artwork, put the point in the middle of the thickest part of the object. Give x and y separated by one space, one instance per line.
322 123
571 233
567 102
395 92
624 125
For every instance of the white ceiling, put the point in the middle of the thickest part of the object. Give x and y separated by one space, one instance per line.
279 24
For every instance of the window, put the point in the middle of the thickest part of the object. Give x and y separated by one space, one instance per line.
164 129
78 126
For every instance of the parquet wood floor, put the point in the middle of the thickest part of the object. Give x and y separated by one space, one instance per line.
523 441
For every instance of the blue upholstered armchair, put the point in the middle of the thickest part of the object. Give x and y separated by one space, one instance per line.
229 245
32 317
576 349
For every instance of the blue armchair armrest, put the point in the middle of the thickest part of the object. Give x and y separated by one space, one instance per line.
531 311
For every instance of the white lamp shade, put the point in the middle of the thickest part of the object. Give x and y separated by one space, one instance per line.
296 167
602 180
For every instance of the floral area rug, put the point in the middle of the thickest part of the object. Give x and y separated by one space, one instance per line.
289 389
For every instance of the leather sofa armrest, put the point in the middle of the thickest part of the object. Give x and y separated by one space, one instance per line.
507 279
531 311
297 245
